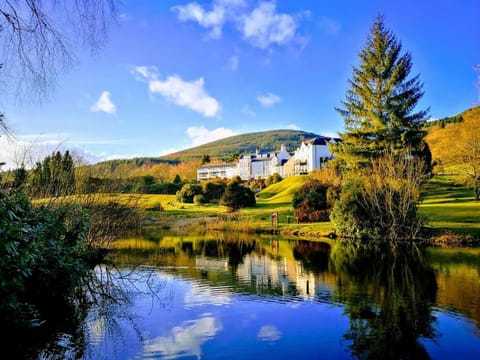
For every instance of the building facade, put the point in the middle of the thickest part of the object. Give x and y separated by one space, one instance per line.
312 154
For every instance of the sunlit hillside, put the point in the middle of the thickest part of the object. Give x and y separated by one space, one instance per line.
444 134
282 191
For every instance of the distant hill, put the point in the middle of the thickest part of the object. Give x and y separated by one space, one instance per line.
440 123
219 151
223 149
442 133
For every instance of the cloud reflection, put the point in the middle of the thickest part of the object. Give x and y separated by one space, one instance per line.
269 333
184 340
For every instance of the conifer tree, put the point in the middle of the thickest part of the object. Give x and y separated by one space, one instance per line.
379 106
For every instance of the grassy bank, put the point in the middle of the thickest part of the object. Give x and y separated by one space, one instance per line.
447 206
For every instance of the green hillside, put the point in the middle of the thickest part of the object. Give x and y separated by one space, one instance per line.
245 143
282 191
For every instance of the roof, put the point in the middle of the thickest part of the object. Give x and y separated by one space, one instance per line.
321 140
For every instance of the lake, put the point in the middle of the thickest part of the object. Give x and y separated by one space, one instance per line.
230 296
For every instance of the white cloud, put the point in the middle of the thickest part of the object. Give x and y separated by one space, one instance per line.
27 150
269 99
105 104
293 127
330 134
185 340
330 26
201 135
214 19
262 26
189 94
269 333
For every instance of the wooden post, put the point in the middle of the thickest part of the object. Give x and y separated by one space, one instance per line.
274 219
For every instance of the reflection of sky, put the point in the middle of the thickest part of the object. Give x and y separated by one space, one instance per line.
202 294
459 338
184 340
191 318
214 322
269 333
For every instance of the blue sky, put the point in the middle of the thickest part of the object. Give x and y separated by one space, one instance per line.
175 74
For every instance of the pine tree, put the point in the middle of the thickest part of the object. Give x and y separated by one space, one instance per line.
379 107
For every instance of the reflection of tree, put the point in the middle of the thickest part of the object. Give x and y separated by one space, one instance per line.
313 255
235 251
389 294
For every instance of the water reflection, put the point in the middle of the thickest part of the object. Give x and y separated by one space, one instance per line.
235 297
389 294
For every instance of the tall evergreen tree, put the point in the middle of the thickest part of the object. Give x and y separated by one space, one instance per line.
379 107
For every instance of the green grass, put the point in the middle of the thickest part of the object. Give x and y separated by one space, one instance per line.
446 206
449 206
282 191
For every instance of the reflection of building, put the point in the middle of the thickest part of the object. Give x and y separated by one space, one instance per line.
311 155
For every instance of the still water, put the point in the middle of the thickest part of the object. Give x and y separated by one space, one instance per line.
237 297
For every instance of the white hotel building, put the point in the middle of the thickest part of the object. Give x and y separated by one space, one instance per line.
311 155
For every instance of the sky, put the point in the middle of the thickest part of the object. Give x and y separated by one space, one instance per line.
177 74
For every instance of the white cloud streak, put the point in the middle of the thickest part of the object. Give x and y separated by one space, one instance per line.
213 20
201 135
269 99
264 26
189 94
104 104
261 26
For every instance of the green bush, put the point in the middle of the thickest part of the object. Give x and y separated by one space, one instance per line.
312 202
187 192
199 200
42 257
237 195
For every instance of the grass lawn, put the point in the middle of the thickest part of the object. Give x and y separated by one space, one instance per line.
446 206
449 206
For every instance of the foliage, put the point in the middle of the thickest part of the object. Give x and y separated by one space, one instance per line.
53 177
311 202
383 203
199 199
457 145
378 109
213 190
205 159
187 193
237 195
42 257
273 179
228 149
394 315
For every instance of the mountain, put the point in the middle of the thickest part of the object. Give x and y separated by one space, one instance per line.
185 162
223 149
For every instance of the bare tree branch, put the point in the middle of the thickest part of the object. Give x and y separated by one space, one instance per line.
38 39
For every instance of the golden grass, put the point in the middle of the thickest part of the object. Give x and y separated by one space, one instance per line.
282 191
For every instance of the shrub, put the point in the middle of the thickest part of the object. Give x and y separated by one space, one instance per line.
42 257
237 195
213 190
199 200
187 192
382 202
311 202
